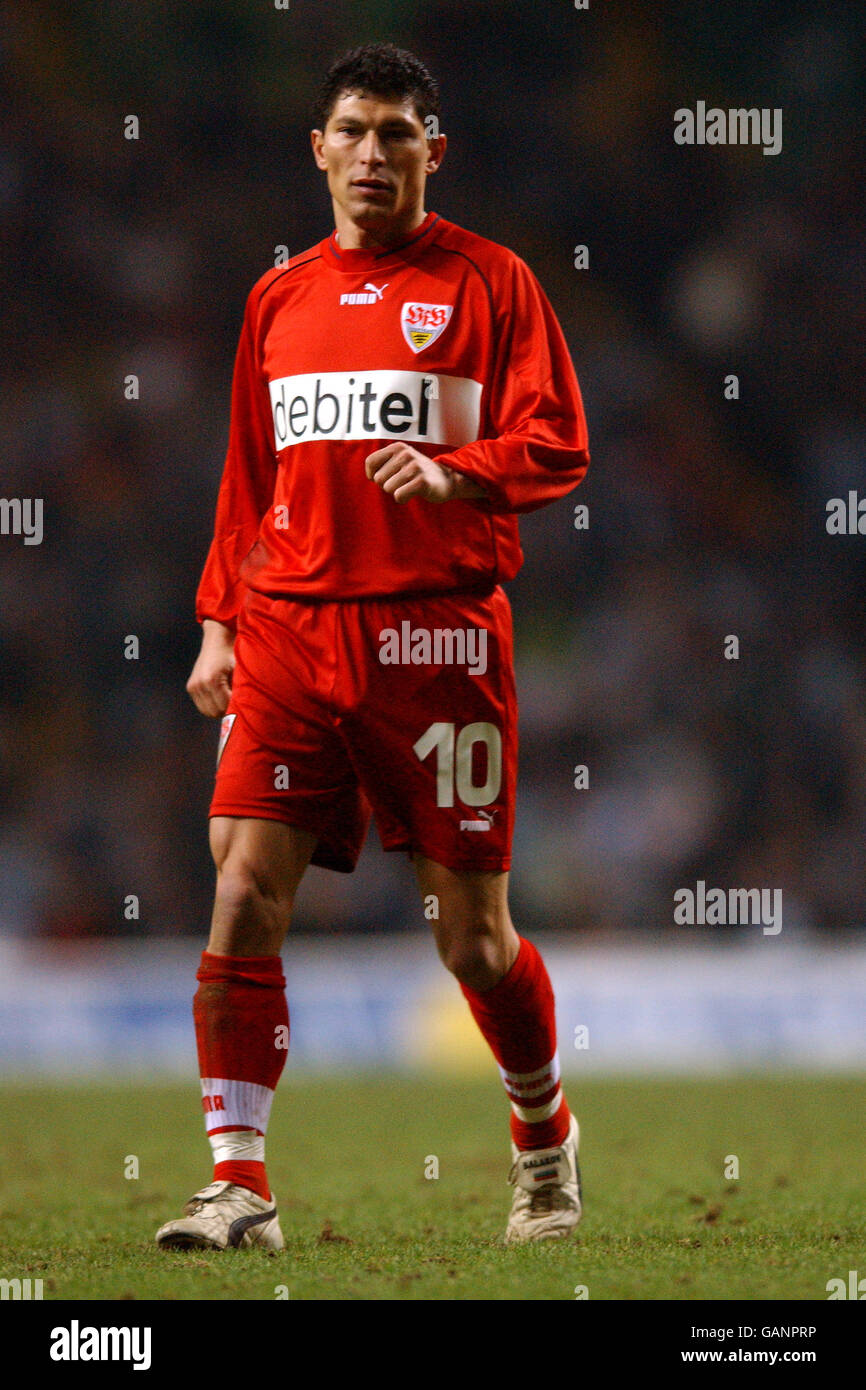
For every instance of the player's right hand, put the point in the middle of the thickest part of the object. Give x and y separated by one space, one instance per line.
210 683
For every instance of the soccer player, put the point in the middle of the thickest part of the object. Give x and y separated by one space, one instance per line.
401 392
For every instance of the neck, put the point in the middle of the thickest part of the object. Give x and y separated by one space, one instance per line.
351 236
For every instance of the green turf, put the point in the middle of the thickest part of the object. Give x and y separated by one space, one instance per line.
361 1221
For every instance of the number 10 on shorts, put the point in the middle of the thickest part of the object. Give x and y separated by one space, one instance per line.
454 761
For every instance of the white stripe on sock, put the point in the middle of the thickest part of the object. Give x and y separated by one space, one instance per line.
239 1144
543 1112
530 1092
239 1104
525 1081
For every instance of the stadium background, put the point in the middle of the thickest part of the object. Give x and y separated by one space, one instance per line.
707 517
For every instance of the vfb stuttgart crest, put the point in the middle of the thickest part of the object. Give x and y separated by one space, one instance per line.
225 729
422 323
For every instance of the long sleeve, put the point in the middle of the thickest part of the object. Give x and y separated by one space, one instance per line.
540 449
247 486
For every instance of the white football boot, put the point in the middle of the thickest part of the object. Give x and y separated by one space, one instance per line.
223 1216
547 1197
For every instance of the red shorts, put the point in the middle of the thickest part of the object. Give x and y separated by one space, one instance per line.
400 709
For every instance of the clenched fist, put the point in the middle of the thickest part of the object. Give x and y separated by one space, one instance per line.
210 683
404 472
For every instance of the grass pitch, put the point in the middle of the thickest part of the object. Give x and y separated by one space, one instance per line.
347 1160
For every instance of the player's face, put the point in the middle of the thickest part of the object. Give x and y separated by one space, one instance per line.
377 157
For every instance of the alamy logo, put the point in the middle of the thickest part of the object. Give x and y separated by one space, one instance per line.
441 646
713 907
20 1289
77 1343
847 517
370 295
739 126
856 1288
375 405
22 516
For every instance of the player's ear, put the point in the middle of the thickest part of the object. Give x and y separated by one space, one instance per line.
436 153
317 140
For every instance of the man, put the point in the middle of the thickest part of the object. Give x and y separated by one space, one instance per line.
401 392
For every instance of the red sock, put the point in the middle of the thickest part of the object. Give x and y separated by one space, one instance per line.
242 1032
517 1018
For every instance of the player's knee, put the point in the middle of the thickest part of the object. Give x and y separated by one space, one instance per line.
245 896
477 958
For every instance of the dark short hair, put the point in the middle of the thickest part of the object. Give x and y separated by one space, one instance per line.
378 69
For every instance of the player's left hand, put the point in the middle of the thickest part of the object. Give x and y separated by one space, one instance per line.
403 472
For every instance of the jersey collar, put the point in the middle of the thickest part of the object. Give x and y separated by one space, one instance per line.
364 259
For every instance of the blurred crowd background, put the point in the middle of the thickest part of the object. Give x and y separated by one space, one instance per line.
707 516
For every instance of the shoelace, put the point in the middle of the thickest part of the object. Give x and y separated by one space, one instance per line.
196 1203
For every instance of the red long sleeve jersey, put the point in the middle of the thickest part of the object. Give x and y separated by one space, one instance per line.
446 341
